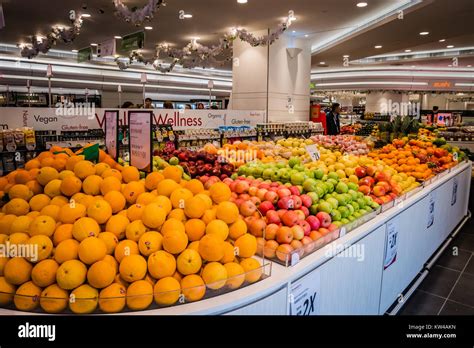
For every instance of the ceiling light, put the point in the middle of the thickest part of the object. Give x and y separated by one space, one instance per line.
423 33
413 66
361 4
407 51
450 46
188 15
442 40
86 15
242 1
378 46
322 63
74 51
117 37
345 56
469 66
196 38
306 35
450 65
148 28
294 31
93 44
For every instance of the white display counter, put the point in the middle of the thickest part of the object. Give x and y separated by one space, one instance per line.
348 275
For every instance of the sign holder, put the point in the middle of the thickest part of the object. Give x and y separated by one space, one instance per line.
115 119
146 115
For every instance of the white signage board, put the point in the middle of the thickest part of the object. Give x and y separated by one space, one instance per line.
141 151
304 294
111 133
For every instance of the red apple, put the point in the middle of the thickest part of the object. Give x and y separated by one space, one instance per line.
270 248
298 247
228 181
281 212
379 191
247 208
273 189
260 245
306 227
284 192
360 172
286 202
305 211
253 190
255 200
306 200
290 218
264 185
300 214
324 219
368 181
261 193
324 231
272 217
257 227
271 231
315 235
271 196
283 252
244 196
314 222
364 189
298 232
307 244
385 185
297 203
238 201
265 206
393 195
295 190
232 186
371 170
284 235
383 176
332 227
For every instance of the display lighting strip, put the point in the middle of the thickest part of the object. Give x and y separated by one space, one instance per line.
337 75
391 68
90 82
462 84
362 83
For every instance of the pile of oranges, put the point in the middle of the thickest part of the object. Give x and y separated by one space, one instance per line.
99 236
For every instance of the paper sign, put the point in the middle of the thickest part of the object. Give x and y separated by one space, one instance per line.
455 156
454 195
295 258
391 244
111 133
140 123
342 232
133 41
304 295
107 48
431 210
313 152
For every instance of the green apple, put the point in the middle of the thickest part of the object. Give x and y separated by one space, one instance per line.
324 207
297 179
174 161
280 165
351 209
338 223
267 173
355 205
368 209
336 215
309 173
353 186
329 187
313 209
234 176
293 161
357 214
362 211
344 221
341 187
353 194
344 211
257 172
361 203
332 181
334 176
333 201
318 173
342 200
351 218
360 194
309 185
250 177
327 196
299 168
314 197
275 176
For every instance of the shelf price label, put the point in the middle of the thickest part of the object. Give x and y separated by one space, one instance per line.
391 244
454 195
313 152
431 210
304 294
455 156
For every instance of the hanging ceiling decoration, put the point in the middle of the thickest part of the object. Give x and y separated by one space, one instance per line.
196 55
39 44
137 16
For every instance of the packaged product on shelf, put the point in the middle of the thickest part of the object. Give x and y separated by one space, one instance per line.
1 141
19 137
9 140
30 138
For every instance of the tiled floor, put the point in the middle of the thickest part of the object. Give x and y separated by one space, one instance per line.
449 287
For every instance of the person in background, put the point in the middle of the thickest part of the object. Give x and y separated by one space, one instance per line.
433 115
214 107
333 125
200 106
168 105
187 106
148 104
127 105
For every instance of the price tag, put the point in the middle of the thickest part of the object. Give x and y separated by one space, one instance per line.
455 156
431 210
295 258
391 244
304 295
342 232
454 194
313 152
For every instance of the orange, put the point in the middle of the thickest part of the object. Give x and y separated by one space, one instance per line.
18 238
110 183
139 295
42 225
179 196
46 174
22 177
110 241
161 264
91 185
214 275
62 232
34 187
172 226
195 229
69 213
150 242
152 180
125 248
135 230
235 275
133 268
132 190
167 291
174 173
209 215
177 276
53 188
66 250
101 167
117 224
20 191
194 207
130 174
252 268
38 202
247 245
70 186
17 206
44 273
100 211
116 200
237 229
71 162
112 298
92 249
112 172
17 271
85 227
218 228
146 198
85 299
189 262
135 212
101 274
111 261
177 214
211 247
227 212
83 169
6 222
195 186
229 253
42 247
6 292
163 202
27 297
193 287
153 215
59 201
31 164
166 186
54 299
220 192
175 242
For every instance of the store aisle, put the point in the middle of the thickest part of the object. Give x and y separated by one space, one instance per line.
449 287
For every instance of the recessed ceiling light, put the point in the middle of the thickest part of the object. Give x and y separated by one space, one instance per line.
93 44
450 46
117 37
345 56
469 66
361 4
450 65
148 28
242 1
322 63
413 66
407 51
196 38
306 35
188 15
423 33
74 51
294 31
378 46
442 40
86 15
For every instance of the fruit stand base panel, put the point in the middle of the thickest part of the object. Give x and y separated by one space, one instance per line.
354 280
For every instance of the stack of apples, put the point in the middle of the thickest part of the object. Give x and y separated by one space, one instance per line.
379 185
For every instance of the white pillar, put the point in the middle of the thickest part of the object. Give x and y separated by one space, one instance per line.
288 78
386 102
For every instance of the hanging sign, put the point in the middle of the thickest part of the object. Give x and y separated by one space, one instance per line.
84 54
107 48
134 41
111 132
140 139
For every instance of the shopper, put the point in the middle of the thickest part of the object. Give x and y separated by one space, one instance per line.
168 105
433 115
148 104
200 106
127 105
333 125
214 107
187 106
